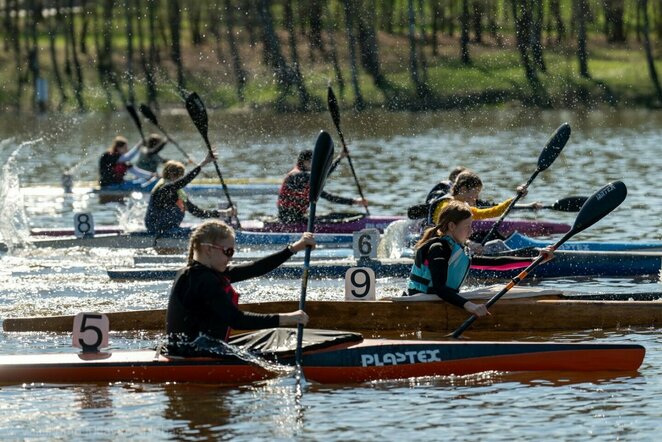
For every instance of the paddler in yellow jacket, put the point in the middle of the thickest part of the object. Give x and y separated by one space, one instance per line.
467 188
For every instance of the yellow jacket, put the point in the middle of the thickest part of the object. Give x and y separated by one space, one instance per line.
487 212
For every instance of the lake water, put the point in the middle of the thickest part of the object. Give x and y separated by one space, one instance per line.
398 157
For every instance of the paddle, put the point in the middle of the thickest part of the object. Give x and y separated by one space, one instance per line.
569 204
549 153
147 113
335 115
596 207
134 116
198 113
321 163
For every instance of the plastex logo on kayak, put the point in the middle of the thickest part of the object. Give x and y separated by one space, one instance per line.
605 191
397 358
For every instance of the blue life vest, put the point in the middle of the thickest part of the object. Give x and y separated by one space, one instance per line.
420 278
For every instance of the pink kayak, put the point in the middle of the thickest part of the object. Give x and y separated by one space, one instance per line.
356 223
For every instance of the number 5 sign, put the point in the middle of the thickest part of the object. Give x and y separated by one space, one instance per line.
360 284
90 331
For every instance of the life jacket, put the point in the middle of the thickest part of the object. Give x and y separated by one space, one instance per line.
291 198
434 204
234 296
420 278
181 195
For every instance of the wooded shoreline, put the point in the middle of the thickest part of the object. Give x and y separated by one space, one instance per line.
78 55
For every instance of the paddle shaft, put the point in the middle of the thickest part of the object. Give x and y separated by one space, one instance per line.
335 116
134 116
304 284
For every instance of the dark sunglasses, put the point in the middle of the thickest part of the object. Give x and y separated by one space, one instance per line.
227 251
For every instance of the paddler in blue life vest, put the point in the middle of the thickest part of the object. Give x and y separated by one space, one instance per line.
203 305
169 203
442 259
293 194
116 162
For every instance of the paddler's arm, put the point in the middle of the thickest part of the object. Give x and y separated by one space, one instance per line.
490 212
241 272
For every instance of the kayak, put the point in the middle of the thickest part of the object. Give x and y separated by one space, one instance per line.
519 241
350 224
547 312
202 188
346 359
142 239
567 263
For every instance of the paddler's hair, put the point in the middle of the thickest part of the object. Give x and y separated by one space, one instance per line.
304 155
466 180
172 170
117 142
212 231
453 212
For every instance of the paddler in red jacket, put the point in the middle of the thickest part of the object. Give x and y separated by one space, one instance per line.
203 305
293 194
115 163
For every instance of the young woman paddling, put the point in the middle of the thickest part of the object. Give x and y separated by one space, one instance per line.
115 163
169 203
149 158
293 194
442 261
203 302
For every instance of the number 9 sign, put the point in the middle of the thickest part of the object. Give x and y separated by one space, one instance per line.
360 284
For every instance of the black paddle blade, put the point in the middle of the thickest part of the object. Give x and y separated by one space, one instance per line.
554 147
600 204
333 107
147 113
132 111
570 204
198 113
322 159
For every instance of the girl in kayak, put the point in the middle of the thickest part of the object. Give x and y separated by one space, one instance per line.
442 261
293 194
203 305
169 203
115 163
149 158
466 188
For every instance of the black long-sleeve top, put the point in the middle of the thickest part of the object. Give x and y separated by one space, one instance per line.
200 302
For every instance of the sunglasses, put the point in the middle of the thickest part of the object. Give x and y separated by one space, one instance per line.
227 251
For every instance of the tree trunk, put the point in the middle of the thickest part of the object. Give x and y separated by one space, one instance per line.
522 16
315 14
555 11
614 12
334 57
85 17
304 97
464 34
194 19
536 34
359 103
419 84
643 6
368 45
148 67
78 82
237 65
53 30
175 21
581 7
129 13
477 18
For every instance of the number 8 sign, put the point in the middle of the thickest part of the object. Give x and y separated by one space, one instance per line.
360 284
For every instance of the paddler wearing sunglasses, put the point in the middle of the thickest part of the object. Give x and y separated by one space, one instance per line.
203 305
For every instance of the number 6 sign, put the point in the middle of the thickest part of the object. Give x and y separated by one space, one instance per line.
360 284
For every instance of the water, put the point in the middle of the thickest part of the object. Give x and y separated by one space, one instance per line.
397 157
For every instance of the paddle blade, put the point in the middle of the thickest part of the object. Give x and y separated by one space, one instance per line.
600 204
322 159
198 113
333 107
147 113
554 147
134 115
570 204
